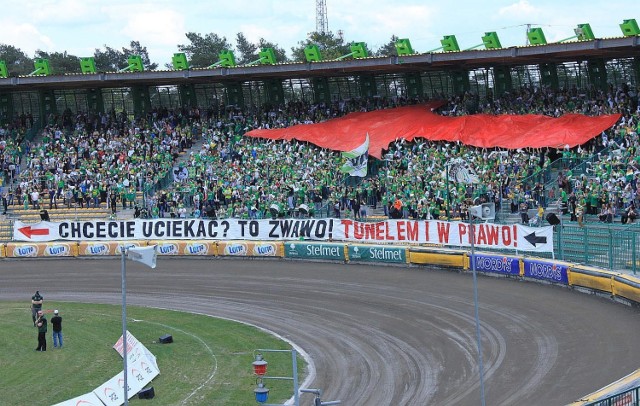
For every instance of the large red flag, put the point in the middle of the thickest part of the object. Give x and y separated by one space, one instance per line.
419 121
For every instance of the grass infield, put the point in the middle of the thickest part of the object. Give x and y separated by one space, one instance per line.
209 362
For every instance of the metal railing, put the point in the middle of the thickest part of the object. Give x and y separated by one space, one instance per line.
149 190
611 247
577 165
629 397
32 133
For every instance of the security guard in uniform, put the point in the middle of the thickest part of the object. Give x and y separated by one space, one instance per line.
36 305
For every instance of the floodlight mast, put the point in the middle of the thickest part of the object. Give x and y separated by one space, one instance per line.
322 22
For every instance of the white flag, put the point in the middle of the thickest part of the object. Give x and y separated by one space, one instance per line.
356 164
146 255
460 171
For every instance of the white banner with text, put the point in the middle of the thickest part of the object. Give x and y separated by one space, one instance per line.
454 234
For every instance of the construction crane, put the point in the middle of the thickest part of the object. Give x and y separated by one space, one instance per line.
322 22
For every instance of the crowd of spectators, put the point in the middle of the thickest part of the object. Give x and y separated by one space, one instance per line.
608 187
10 153
95 160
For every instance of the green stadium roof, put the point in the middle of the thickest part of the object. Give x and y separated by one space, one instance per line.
608 48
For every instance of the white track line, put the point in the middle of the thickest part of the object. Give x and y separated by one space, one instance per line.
213 355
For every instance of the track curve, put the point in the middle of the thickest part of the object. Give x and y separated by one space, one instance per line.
380 335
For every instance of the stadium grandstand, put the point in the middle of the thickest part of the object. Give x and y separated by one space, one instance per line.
191 142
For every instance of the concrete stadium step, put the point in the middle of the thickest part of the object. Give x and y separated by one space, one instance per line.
79 216
68 213
6 230
33 215
60 209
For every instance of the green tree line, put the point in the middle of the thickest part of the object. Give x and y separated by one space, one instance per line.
201 51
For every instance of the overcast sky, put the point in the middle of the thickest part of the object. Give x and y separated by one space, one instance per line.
80 26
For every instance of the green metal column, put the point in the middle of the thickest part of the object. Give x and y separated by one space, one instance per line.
610 247
188 97
274 91
597 71
585 238
95 100
636 70
141 100
460 81
502 81
549 75
560 244
413 83
235 95
321 91
47 104
634 258
368 86
6 108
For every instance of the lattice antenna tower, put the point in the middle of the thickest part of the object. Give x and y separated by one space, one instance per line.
322 22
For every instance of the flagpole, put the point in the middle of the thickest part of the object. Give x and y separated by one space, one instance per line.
475 305
124 323
140 255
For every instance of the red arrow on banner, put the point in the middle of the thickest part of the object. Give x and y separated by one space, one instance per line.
28 231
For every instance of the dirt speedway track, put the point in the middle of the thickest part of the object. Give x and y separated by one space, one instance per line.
380 335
